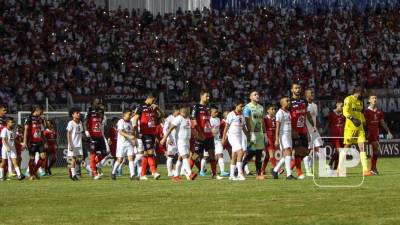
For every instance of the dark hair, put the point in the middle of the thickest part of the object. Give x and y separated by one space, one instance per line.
238 102
204 91
213 106
126 111
3 106
151 94
8 119
270 106
175 108
36 107
295 83
358 90
100 101
74 110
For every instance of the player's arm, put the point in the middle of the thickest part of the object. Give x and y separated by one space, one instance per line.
250 129
69 140
310 120
170 129
135 120
126 134
224 135
86 123
347 112
277 130
4 140
196 128
26 130
160 111
385 126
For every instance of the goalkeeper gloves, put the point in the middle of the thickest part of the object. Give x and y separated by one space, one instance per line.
355 121
253 137
389 136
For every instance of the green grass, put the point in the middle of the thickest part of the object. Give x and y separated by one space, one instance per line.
57 200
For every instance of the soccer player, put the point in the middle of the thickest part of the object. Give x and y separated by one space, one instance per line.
34 140
315 141
270 126
8 149
182 126
147 114
354 130
3 112
50 146
204 142
94 130
74 138
335 125
254 115
125 144
299 115
283 140
234 132
375 117
19 138
170 141
215 122
112 142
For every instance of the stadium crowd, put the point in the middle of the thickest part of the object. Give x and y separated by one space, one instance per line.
76 48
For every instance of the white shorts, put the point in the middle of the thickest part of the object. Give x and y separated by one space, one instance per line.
125 150
244 142
75 152
12 153
236 141
171 149
219 149
285 141
315 140
139 148
183 147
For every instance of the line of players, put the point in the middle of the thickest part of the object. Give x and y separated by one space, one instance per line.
196 138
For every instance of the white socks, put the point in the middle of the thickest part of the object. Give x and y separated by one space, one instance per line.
170 162
239 166
116 165
1 173
186 167
203 164
73 171
279 164
307 164
132 168
17 171
233 167
246 169
137 163
221 165
178 168
288 160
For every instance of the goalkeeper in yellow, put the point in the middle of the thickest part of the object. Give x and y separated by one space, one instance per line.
354 127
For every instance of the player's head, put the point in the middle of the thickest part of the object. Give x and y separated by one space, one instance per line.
225 114
37 110
175 111
271 110
309 94
127 114
114 121
204 96
97 102
339 106
50 124
285 103
151 98
75 113
184 111
238 104
358 92
214 111
372 99
10 122
3 109
296 89
254 96
20 129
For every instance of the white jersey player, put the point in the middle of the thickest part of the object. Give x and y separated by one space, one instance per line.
234 132
215 123
283 140
125 144
171 142
183 131
74 138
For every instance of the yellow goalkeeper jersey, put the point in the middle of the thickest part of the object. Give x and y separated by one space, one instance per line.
353 107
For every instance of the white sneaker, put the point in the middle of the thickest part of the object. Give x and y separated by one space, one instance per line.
309 174
219 178
156 176
143 178
233 178
97 177
241 178
301 177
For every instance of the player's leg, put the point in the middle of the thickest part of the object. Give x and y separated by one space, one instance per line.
258 163
11 170
267 158
3 164
239 165
121 153
247 156
32 164
203 163
14 160
210 148
374 157
361 141
219 154
233 166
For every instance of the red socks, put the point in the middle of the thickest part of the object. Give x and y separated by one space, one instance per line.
298 165
273 162
31 167
374 159
152 163
93 163
145 163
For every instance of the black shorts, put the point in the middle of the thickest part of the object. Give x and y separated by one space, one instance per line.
98 145
149 142
204 146
301 141
36 147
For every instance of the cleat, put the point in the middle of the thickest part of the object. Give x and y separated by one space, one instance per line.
274 174
281 171
374 172
156 176
219 177
21 177
292 177
301 177
49 172
367 174
260 177
75 178
192 176
97 177
113 177
202 173
42 173
309 174
176 179
241 178
232 178
31 178
119 173
134 178
12 175
224 174
143 177
249 174
27 173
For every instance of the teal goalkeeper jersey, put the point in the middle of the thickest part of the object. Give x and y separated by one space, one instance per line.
256 115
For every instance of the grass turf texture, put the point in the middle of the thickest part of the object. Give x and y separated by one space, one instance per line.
58 200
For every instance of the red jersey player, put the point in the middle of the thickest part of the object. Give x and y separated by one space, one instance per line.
19 138
270 126
113 136
160 149
375 117
94 130
200 115
145 123
34 140
51 145
336 121
299 115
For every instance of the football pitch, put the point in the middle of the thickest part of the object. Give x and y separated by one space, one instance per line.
58 200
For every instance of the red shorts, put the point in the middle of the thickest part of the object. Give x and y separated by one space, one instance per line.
373 138
160 149
113 150
271 144
337 143
18 152
51 150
